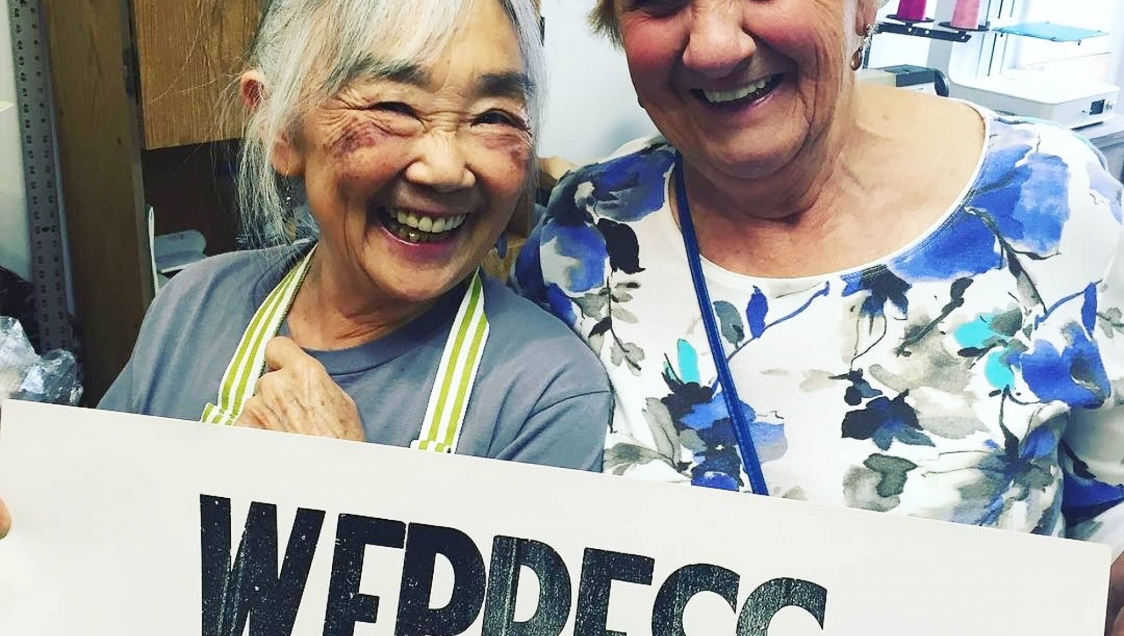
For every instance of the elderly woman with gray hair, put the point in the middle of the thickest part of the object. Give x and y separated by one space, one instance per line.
845 294
409 127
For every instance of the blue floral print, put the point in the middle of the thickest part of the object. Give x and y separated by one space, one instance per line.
969 377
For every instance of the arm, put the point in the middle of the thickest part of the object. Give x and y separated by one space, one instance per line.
1092 452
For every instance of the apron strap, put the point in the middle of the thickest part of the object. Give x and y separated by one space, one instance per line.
244 370
456 375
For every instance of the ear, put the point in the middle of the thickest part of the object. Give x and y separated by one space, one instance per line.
286 157
251 88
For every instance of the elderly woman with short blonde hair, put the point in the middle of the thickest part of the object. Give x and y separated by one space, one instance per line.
844 294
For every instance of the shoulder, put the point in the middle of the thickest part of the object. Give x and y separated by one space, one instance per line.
223 287
1041 150
230 269
536 344
626 186
587 224
1046 191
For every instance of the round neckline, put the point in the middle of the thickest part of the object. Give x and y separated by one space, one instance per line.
437 320
725 276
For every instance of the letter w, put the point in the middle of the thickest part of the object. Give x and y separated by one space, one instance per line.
252 590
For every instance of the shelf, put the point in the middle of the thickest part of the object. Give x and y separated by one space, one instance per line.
912 28
1049 31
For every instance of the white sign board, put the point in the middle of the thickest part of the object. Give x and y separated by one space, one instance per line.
126 525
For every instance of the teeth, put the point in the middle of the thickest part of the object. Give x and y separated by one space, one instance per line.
416 227
721 97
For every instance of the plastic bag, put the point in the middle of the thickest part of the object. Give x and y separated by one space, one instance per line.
24 375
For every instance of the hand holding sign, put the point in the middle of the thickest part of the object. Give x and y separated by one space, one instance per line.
297 395
5 520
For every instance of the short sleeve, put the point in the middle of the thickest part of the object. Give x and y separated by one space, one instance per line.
1093 445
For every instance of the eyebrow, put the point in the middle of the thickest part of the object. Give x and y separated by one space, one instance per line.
511 84
399 72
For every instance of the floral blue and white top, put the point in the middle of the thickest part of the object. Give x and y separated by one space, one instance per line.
973 376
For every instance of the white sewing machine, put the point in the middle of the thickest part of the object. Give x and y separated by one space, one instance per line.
1067 100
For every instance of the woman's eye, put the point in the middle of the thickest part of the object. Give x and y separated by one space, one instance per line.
394 107
500 118
658 8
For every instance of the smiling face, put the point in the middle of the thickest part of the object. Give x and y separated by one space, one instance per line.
741 87
412 172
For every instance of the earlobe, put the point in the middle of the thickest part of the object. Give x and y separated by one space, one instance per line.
287 158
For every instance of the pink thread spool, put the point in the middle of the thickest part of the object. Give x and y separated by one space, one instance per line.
911 10
966 15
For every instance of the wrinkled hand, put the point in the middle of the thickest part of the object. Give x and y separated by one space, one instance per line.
5 520
297 395
1114 622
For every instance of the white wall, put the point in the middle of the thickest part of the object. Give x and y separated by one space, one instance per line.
14 242
591 106
1117 37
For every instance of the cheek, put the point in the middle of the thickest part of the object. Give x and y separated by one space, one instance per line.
652 51
814 40
360 135
364 157
502 163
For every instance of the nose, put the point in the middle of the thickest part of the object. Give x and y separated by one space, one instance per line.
441 164
717 42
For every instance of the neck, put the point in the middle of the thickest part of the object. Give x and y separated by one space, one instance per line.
801 198
338 307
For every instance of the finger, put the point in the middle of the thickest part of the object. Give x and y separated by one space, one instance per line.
290 398
279 399
282 352
5 520
254 415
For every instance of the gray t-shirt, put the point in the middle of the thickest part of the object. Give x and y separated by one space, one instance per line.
540 396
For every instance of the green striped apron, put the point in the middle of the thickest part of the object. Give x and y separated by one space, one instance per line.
456 374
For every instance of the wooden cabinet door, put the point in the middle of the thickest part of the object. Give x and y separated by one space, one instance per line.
189 54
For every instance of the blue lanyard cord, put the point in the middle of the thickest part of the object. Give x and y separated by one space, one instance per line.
729 392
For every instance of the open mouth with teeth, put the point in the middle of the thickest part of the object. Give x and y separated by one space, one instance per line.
755 91
414 228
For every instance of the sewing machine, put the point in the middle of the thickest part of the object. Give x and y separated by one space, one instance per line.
966 58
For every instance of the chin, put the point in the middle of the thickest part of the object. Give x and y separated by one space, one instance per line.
420 288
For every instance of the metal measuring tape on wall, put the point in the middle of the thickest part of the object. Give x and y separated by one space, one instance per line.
33 101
